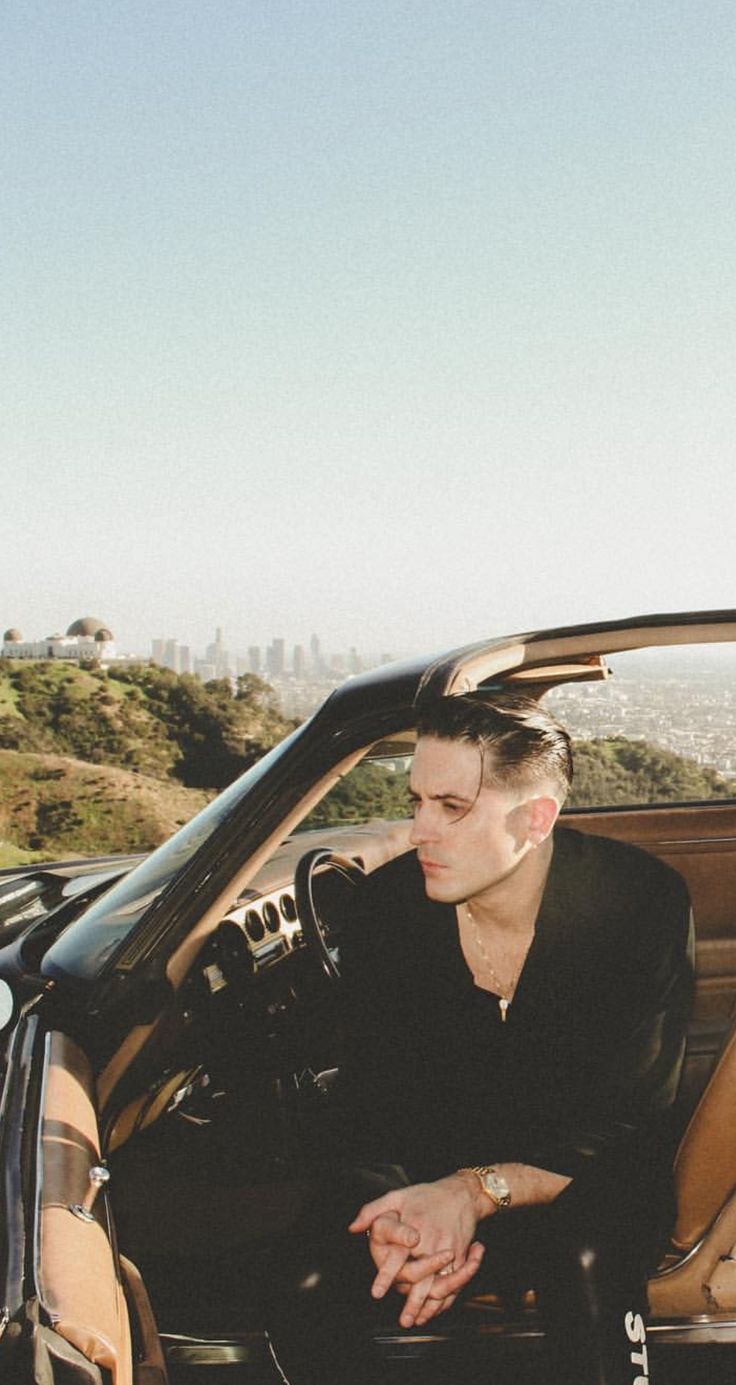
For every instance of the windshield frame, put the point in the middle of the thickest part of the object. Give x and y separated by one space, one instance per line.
102 931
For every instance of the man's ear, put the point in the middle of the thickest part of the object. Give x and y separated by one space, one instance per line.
543 814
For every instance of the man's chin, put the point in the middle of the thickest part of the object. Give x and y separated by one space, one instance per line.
440 890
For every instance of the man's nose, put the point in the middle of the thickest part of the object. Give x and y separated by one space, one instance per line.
421 828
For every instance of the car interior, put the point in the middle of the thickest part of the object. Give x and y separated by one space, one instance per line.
209 1119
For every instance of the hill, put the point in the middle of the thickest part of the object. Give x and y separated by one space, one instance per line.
95 761
52 807
614 771
139 716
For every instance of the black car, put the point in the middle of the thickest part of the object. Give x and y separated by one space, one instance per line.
170 1041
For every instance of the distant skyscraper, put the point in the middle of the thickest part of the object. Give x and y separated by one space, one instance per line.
171 655
217 655
157 651
254 658
185 658
299 661
276 657
316 655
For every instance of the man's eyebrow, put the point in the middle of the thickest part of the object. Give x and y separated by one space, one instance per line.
440 797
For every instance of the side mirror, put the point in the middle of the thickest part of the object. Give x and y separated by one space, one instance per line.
7 1006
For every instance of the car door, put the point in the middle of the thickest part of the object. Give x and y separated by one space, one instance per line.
73 1310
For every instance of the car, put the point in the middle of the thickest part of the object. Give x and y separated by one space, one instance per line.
171 1035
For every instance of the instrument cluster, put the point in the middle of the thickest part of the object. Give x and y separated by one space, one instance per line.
269 921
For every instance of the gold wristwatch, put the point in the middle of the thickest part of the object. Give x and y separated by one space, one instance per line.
493 1183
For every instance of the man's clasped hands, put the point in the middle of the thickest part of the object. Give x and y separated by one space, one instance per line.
422 1243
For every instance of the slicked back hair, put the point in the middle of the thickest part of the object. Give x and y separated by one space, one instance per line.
521 745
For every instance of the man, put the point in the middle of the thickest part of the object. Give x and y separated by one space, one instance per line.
517 1001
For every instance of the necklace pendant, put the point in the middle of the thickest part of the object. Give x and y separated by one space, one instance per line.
503 1006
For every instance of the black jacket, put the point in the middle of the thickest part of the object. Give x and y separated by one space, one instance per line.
591 1051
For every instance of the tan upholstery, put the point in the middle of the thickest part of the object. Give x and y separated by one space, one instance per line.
703 1281
155 1367
75 1268
705 1167
701 1277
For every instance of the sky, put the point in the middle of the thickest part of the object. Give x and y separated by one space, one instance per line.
405 322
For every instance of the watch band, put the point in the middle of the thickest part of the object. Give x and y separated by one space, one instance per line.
493 1184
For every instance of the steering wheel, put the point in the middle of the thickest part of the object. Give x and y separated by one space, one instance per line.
321 936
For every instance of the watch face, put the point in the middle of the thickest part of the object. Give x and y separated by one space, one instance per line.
496 1185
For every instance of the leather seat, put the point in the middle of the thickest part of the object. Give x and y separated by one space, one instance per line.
699 1275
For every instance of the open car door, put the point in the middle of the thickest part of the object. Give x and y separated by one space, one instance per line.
74 1310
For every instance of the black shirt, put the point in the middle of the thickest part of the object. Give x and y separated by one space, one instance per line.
591 1049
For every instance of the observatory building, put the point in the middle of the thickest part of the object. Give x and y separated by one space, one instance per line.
86 638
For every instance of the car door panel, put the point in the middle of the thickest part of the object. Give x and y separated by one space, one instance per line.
77 1278
79 1294
700 842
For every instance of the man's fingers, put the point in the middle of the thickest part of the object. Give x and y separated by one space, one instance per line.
370 1210
388 1229
449 1285
429 1297
424 1267
415 1302
445 1289
433 1308
392 1265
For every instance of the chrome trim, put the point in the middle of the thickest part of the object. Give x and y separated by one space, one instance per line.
684 1259
38 1191
697 1331
276 1363
246 1349
271 920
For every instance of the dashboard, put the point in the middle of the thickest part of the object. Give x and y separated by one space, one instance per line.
266 912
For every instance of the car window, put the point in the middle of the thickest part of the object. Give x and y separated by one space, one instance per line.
660 729
377 788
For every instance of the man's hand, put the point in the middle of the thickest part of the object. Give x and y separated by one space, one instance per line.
421 1241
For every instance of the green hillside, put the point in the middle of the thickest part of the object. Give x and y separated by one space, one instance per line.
93 761
52 807
614 771
139 716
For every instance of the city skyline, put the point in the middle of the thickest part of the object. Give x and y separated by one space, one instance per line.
170 650
278 656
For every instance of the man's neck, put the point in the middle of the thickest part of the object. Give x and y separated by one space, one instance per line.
512 904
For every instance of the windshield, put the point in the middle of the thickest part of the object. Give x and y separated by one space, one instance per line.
83 950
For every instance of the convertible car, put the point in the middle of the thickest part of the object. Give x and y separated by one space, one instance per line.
171 1039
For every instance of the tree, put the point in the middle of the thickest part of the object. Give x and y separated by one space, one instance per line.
614 770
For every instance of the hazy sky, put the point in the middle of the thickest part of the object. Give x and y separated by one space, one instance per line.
403 321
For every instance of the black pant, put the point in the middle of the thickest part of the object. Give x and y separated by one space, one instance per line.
587 1256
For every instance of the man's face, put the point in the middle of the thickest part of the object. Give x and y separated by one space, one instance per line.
468 838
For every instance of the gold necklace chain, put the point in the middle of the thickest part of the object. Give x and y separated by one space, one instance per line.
506 993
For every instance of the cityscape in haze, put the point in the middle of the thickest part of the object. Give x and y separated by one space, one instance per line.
301 675
686 704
